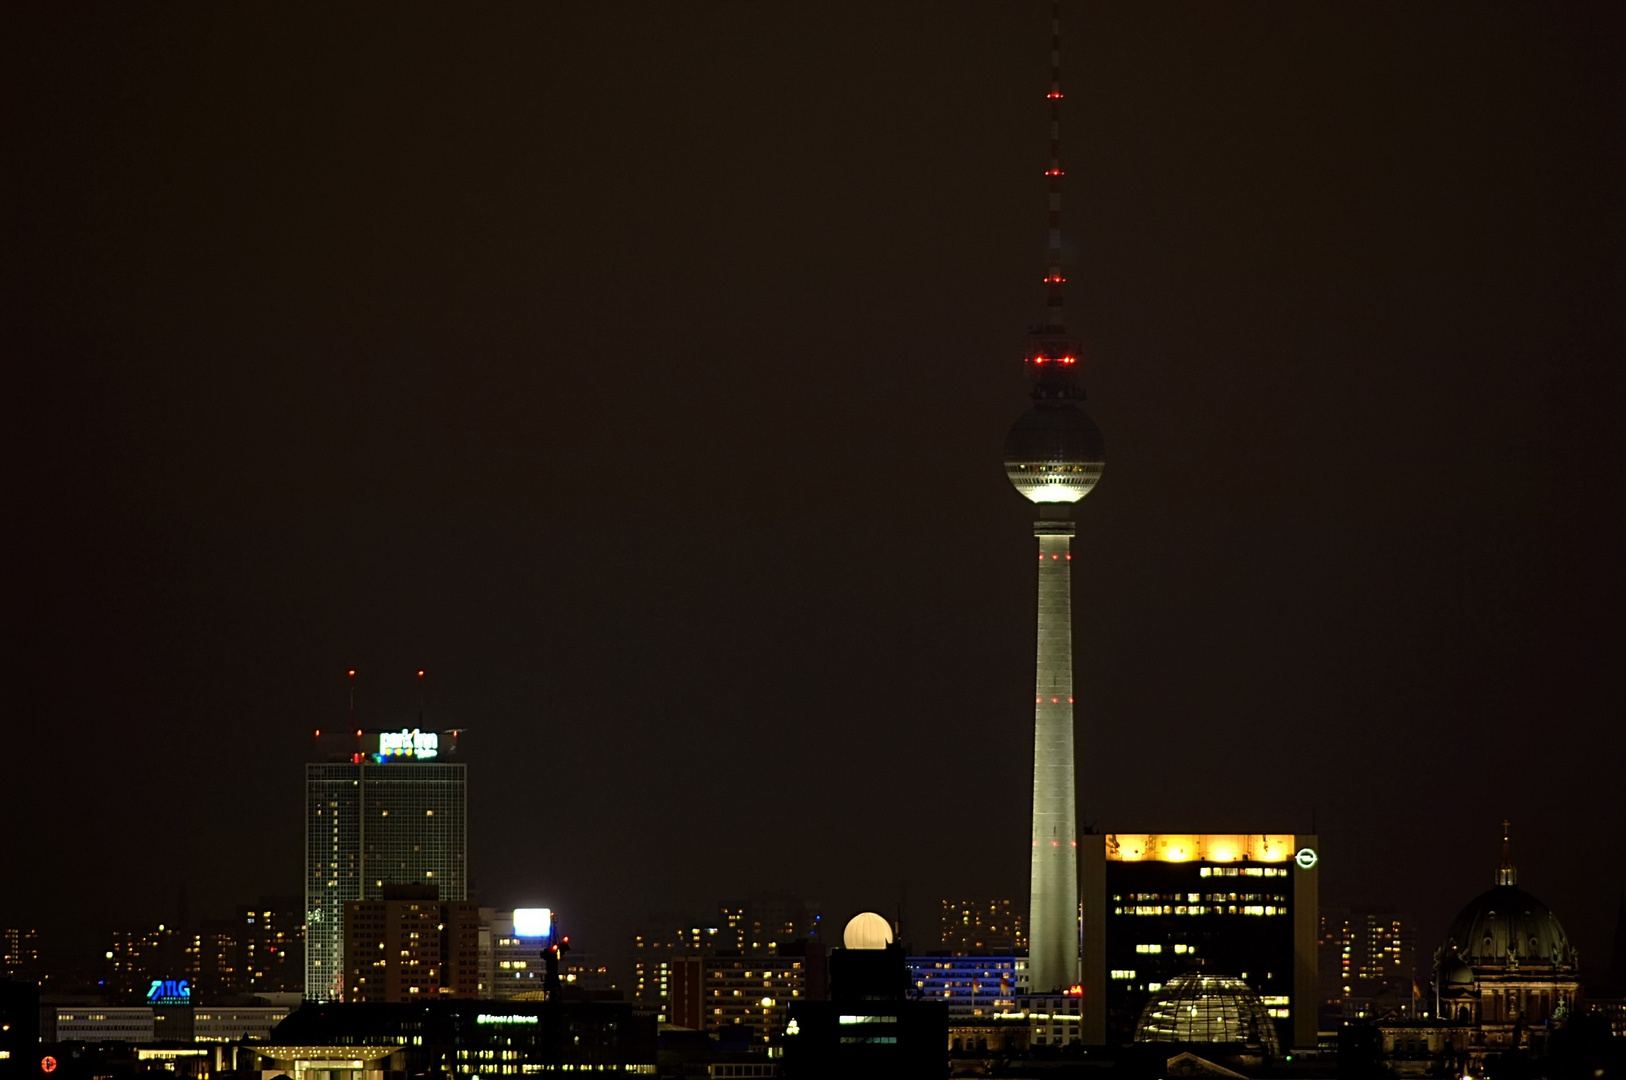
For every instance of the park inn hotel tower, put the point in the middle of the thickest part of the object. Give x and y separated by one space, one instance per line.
386 809
1054 456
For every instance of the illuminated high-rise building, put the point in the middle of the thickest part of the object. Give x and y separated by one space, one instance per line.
1054 455
272 937
411 946
1368 963
1161 905
392 811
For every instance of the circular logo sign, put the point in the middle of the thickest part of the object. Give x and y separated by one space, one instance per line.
47 1064
1306 858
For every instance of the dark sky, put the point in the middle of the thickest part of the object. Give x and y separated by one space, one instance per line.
641 370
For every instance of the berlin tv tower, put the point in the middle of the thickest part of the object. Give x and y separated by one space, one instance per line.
1054 456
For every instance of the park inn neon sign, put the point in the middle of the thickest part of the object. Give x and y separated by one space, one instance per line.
408 744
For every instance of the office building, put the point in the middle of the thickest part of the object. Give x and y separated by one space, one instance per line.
19 954
1367 964
1054 456
392 811
213 959
461 1040
513 947
991 927
654 952
137 958
271 935
739 995
970 986
763 919
870 1026
1236 905
410 945
19 1026
762 925
166 1023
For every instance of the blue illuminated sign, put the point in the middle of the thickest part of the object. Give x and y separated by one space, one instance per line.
169 992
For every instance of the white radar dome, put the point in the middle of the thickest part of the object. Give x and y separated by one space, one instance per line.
867 931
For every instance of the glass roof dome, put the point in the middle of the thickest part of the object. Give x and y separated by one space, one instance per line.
1195 1008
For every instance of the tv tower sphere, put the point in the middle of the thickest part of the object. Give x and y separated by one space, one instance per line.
1054 453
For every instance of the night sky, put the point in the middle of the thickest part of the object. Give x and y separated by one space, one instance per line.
641 371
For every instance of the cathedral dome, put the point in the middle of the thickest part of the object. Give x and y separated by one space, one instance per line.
1194 1008
1506 927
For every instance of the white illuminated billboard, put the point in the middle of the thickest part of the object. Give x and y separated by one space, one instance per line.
533 922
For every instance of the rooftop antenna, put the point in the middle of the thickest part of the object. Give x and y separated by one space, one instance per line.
420 698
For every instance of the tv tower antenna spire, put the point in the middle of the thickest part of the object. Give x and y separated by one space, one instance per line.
1055 321
1052 353
1054 455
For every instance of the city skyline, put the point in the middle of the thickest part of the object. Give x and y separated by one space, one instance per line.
338 370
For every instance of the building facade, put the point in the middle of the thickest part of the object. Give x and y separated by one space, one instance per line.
971 986
1239 905
513 962
765 919
1368 964
737 994
461 1040
19 954
393 812
655 950
993 927
271 935
410 945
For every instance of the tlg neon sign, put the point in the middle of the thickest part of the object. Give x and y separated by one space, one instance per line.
408 744
169 992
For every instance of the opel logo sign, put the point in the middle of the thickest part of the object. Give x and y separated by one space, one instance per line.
1306 858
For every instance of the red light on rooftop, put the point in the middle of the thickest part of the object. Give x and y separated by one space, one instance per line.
1054 95
1055 172
318 733
420 673
351 673
358 733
